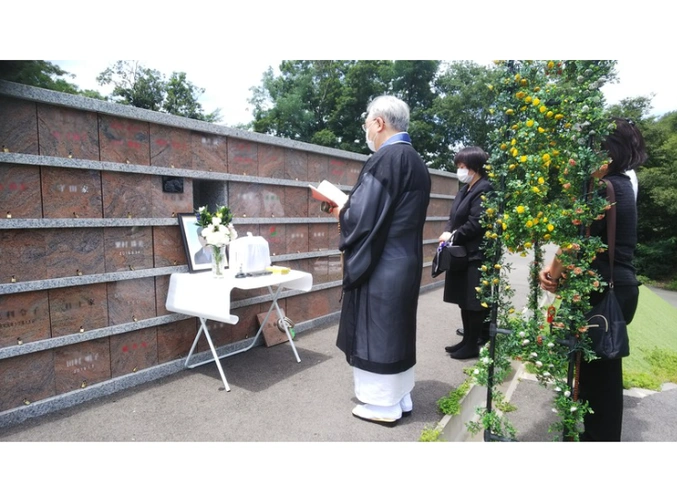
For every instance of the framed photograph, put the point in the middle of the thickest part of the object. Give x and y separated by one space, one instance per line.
199 258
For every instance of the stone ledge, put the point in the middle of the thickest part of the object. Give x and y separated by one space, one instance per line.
453 427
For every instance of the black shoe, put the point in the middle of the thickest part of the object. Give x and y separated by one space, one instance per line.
459 331
468 351
455 347
482 341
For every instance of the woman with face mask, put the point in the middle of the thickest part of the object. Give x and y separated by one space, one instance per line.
464 224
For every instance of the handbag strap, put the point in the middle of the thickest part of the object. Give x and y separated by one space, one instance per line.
611 227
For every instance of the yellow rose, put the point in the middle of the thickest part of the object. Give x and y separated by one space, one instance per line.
528 99
530 123
559 116
541 180
535 189
549 114
541 129
512 166
551 227
523 159
529 223
537 101
546 157
520 209
542 109
510 112
551 64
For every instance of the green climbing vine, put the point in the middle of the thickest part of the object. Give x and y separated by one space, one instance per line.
549 121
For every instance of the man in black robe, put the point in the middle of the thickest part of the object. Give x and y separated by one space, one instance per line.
381 240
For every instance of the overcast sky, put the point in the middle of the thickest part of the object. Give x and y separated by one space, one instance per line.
227 84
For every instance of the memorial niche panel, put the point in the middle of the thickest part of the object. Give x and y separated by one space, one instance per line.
296 201
72 252
80 365
210 152
296 165
66 132
297 238
78 309
271 161
128 248
170 147
174 339
131 300
21 249
71 193
18 126
24 317
242 157
26 379
124 141
133 351
128 195
168 248
20 195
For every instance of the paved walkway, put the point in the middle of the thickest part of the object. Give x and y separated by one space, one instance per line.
273 398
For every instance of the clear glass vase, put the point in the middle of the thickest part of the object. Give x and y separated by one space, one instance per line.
219 261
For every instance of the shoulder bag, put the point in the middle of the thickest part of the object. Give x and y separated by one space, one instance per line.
606 325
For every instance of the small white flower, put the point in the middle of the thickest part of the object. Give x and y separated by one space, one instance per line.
554 410
216 220
539 364
525 341
550 344
533 355
567 393
573 409
558 389
202 209
546 374
522 334
486 360
476 371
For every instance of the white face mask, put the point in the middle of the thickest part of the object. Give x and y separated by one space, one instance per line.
463 175
370 143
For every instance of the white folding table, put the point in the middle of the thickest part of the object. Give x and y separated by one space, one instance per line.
206 297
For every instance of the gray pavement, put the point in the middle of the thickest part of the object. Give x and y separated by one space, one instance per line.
275 399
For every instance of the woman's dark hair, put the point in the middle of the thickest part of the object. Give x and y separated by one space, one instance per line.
625 146
473 157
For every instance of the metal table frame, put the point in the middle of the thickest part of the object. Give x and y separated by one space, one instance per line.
205 297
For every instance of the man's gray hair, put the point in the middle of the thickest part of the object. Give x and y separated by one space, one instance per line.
394 111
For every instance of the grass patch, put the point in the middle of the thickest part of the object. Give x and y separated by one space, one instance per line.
451 404
430 435
653 343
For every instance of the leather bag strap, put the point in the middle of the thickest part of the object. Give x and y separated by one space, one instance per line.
611 226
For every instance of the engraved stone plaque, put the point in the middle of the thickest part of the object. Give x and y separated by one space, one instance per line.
128 248
18 126
131 300
66 132
80 365
20 192
247 200
338 171
210 152
78 309
297 238
24 317
123 140
275 235
71 193
26 379
133 351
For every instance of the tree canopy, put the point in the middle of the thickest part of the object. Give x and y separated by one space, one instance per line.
147 88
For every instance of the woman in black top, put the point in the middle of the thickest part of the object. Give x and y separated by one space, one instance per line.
601 381
464 223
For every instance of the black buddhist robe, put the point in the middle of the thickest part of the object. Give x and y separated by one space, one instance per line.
381 240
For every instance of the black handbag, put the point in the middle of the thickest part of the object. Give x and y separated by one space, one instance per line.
449 257
606 325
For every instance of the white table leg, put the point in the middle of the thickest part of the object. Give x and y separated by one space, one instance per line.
203 328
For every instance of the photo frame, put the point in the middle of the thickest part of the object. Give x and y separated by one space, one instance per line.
199 258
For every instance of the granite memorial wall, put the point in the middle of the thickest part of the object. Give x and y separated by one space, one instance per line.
89 196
